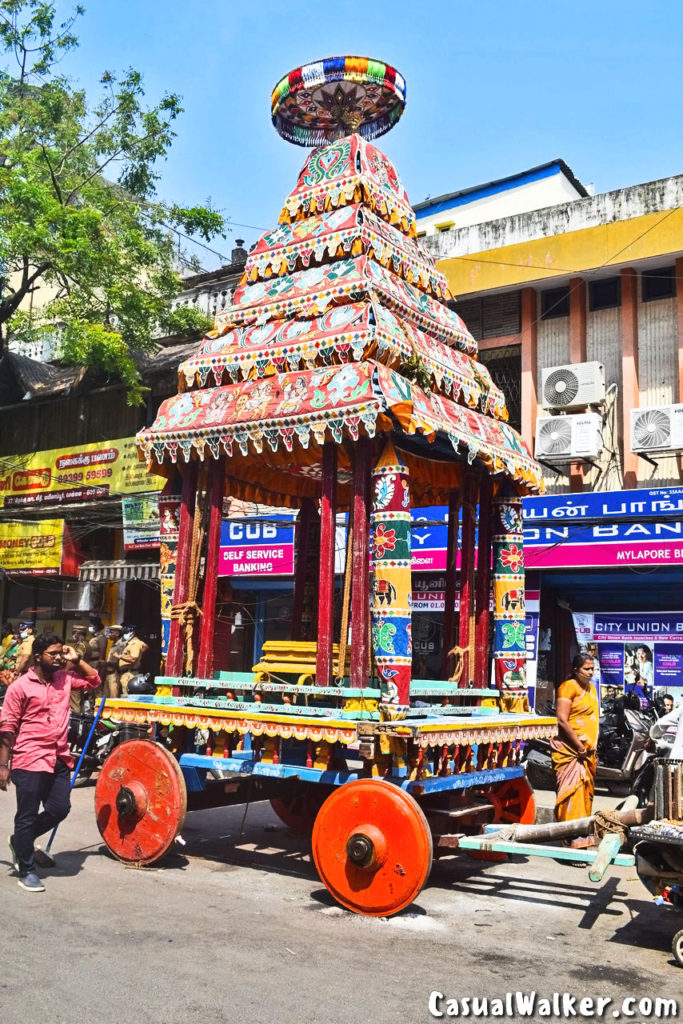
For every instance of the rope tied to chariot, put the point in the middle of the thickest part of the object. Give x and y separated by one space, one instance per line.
187 614
459 654
609 821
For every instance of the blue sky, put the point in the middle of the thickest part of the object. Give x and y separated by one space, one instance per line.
494 87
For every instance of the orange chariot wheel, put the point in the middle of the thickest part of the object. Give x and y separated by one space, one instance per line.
298 812
140 801
513 802
372 847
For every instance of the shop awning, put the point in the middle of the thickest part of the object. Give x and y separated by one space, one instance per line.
117 570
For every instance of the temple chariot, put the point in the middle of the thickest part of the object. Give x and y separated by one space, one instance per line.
340 382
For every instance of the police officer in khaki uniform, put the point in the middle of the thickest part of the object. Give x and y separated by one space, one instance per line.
79 642
130 660
112 684
23 656
97 646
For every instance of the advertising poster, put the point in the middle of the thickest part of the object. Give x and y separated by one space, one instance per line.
169 518
81 473
32 549
140 522
636 652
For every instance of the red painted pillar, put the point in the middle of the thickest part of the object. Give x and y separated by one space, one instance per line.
174 659
328 515
360 561
303 540
466 625
451 581
482 611
208 620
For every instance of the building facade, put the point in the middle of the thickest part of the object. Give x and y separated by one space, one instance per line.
584 291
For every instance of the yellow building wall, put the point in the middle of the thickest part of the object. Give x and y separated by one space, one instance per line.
575 252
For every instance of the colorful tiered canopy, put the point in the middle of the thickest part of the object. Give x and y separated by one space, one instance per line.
340 327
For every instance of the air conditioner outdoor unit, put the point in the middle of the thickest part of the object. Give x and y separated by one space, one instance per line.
82 597
658 429
562 438
565 386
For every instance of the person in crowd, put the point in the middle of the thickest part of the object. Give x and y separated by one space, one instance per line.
112 683
27 635
8 655
574 750
96 655
96 646
34 725
6 634
131 658
79 642
668 702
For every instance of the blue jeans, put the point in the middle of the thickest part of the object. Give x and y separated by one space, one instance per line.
51 789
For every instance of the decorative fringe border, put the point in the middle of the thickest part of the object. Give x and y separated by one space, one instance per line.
355 189
347 346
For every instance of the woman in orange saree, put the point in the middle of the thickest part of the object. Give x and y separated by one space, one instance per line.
574 750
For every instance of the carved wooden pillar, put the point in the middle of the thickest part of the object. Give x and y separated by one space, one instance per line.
174 661
208 620
328 516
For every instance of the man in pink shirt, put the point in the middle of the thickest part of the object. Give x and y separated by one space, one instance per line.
34 725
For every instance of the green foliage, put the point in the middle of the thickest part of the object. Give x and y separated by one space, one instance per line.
414 369
82 233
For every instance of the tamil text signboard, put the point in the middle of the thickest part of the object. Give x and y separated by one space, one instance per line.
81 473
609 530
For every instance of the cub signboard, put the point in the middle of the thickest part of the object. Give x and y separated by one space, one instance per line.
258 546
32 549
80 473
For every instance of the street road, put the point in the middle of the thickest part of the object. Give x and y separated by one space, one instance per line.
236 926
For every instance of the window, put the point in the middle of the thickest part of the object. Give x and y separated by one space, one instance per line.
658 284
505 366
604 294
492 315
554 303
444 225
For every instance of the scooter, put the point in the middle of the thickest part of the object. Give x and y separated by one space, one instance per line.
622 749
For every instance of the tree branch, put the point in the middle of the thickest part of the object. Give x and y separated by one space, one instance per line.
52 174
10 306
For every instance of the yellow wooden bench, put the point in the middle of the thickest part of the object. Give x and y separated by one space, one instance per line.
293 657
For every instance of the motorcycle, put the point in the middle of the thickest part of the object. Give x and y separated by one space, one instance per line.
623 752
101 745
